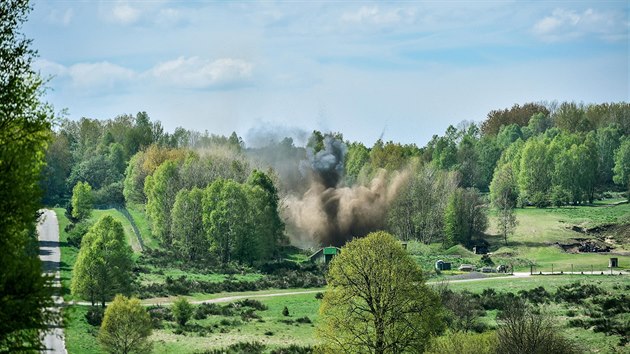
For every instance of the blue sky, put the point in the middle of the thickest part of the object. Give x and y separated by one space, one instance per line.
402 69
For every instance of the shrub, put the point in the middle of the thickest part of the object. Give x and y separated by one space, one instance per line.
293 349
249 314
536 295
304 319
285 311
182 311
522 330
240 348
94 315
577 292
464 343
255 304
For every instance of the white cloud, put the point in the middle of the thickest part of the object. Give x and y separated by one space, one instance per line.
568 24
195 72
373 15
49 68
99 75
63 18
192 73
125 14
87 76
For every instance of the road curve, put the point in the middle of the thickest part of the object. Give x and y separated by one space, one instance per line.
50 254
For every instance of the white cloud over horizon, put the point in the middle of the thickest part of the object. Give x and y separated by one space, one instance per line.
565 24
184 73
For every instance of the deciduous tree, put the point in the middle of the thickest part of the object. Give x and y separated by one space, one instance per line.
161 189
465 217
622 165
377 301
25 129
126 327
82 201
189 237
103 266
504 195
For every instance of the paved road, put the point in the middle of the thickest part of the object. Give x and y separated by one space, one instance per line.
50 254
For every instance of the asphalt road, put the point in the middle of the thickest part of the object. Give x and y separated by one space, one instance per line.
50 254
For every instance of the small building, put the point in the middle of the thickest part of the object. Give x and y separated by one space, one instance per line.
325 255
613 263
441 265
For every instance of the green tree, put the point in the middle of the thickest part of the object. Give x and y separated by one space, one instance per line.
418 210
622 165
504 195
103 266
518 114
464 217
161 189
536 166
358 157
608 140
57 169
25 130
82 201
226 218
126 327
189 237
182 311
377 300
489 154
264 205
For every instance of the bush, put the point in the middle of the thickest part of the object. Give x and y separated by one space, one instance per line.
182 311
249 314
240 348
255 304
285 311
523 330
304 319
94 315
536 295
464 343
159 314
293 349
577 292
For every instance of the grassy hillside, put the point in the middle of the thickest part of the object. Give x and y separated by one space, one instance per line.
539 231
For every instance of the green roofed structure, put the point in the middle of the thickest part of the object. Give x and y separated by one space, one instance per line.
325 255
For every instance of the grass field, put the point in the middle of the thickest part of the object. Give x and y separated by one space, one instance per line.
142 223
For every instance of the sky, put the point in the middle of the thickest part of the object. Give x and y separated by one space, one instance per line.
402 71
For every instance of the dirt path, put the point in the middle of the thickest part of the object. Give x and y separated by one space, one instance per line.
50 254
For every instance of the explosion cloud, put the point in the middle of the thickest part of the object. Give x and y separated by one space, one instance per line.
329 213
